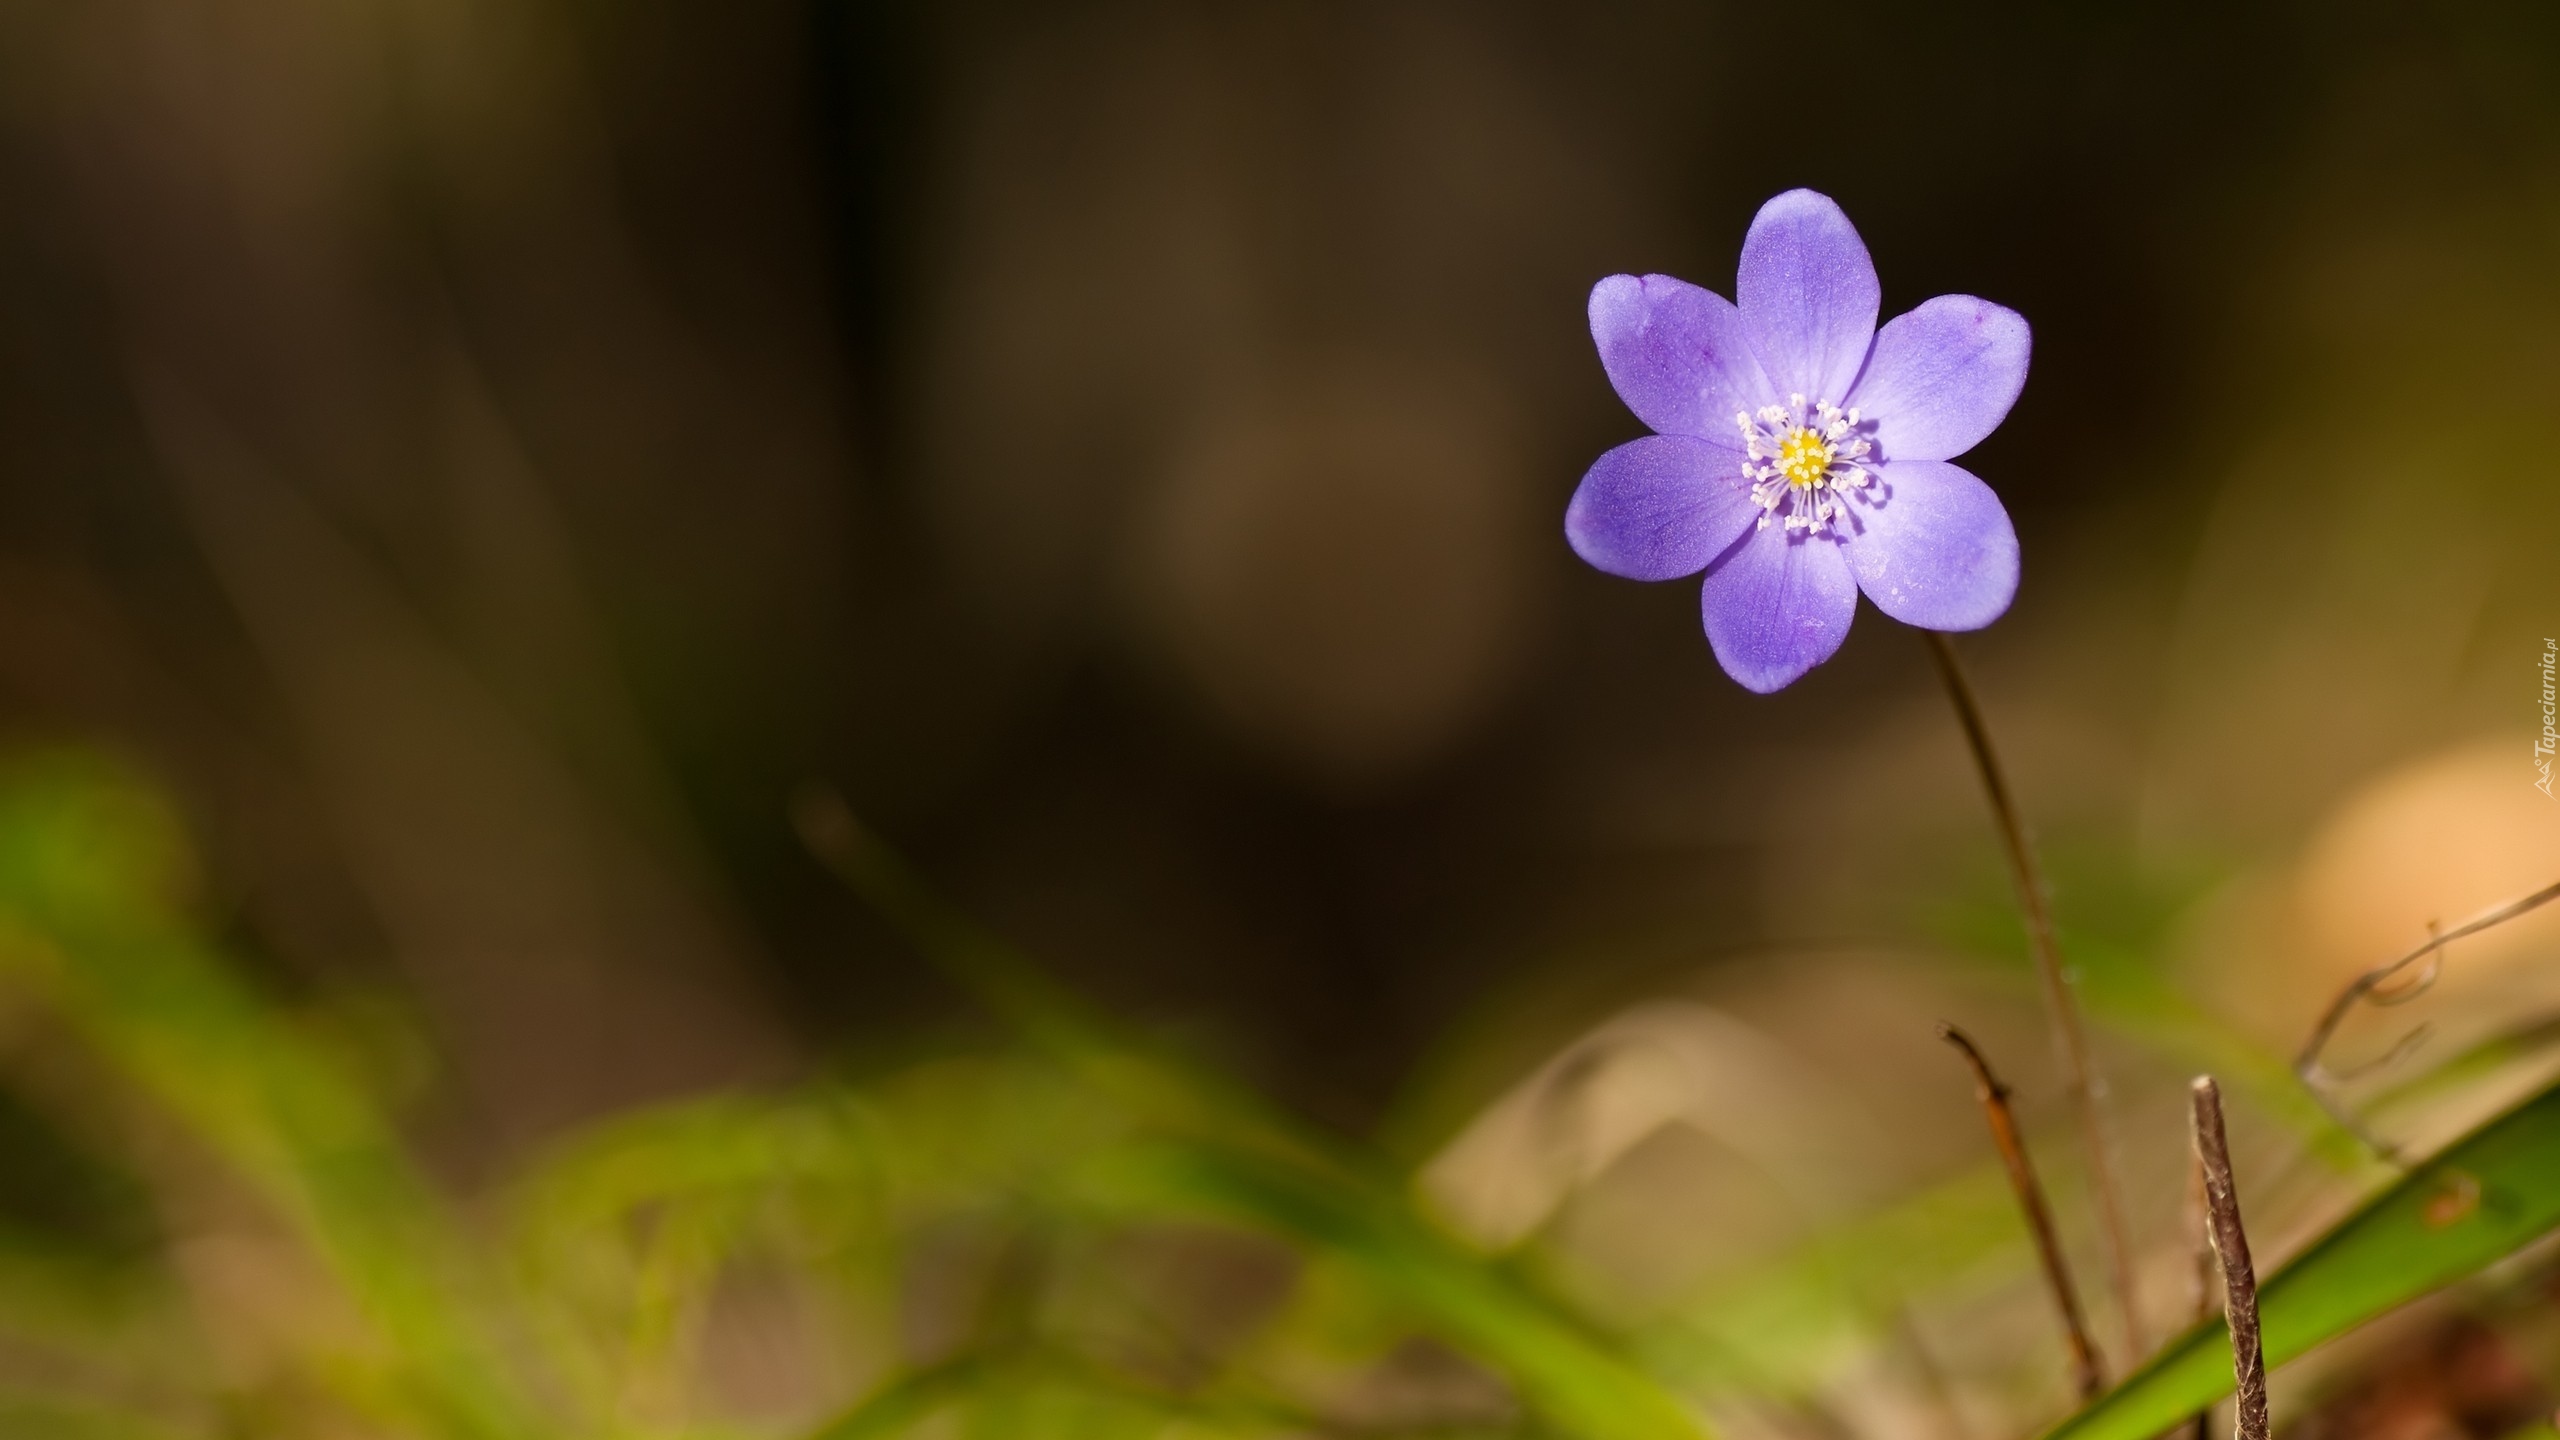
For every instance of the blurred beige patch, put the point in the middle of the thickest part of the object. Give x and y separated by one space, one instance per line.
1660 1067
1342 565
2439 840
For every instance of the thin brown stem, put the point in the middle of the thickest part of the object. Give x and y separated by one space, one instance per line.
2070 1039
2088 1373
2239 1279
2367 988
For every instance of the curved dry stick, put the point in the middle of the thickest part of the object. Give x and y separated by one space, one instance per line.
2317 1078
2080 1072
2087 1371
2239 1278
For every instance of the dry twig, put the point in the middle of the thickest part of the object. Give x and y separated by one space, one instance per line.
2087 1370
2239 1279
2315 1075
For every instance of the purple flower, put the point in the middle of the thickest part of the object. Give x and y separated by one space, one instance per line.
1801 454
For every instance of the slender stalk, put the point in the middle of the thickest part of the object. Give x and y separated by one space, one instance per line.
2071 1041
2087 1370
2239 1279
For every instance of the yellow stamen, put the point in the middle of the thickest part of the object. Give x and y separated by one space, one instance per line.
1804 457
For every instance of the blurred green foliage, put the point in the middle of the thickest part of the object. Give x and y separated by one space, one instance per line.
335 1290
1076 1234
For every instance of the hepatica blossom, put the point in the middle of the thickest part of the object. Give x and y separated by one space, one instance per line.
1800 454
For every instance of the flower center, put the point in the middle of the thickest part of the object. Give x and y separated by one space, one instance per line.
1804 457
1800 459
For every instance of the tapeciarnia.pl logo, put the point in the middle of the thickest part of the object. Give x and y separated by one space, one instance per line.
2542 747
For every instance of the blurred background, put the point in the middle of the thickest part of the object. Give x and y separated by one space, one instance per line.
467 470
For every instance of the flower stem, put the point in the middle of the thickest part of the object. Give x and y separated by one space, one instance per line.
2071 1041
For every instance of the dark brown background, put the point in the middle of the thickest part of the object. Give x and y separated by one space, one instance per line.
488 455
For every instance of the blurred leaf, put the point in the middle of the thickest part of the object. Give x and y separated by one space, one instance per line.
1561 1371
1234 1156
92 869
1023 1390
911 1398
622 1231
725 1150
2483 1198
1776 1327
1053 1019
25 1417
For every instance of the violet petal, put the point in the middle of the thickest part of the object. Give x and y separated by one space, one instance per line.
1677 354
1808 295
1942 377
1659 508
1935 548
1776 605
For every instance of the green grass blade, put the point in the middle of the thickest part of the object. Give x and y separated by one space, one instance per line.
1779 1327
2485 1197
90 864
